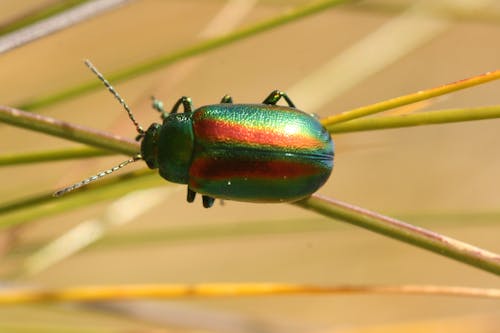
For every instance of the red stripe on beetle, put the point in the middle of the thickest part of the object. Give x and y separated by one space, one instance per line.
223 131
209 168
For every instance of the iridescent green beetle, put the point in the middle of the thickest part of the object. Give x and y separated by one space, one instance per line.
244 152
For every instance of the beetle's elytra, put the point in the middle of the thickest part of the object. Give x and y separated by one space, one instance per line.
244 152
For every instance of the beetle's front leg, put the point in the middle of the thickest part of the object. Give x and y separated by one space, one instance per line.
158 106
186 102
275 96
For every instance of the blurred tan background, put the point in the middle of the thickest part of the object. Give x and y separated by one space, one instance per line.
444 178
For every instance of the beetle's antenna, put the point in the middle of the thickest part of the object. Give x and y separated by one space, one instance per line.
112 90
96 177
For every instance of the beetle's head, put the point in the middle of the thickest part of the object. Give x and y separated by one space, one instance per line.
149 145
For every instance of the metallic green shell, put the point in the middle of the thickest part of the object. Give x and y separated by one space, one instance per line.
245 152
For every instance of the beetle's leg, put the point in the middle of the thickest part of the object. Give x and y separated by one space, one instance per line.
186 102
158 106
226 99
190 195
208 201
275 96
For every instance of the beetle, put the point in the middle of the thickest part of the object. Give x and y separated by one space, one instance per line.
244 152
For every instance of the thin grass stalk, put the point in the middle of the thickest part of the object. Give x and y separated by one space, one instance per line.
402 231
68 131
190 51
32 208
52 155
409 99
416 119
52 23
169 291
36 326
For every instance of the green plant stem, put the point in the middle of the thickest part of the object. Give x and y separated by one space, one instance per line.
190 51
415 119
52 155
409 99
68 131
38 206
407 233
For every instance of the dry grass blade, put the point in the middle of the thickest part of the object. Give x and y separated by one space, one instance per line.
411 98
56 23
37 13
203 290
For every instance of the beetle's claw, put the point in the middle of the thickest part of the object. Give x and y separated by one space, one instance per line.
227 99
208 201
190 195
